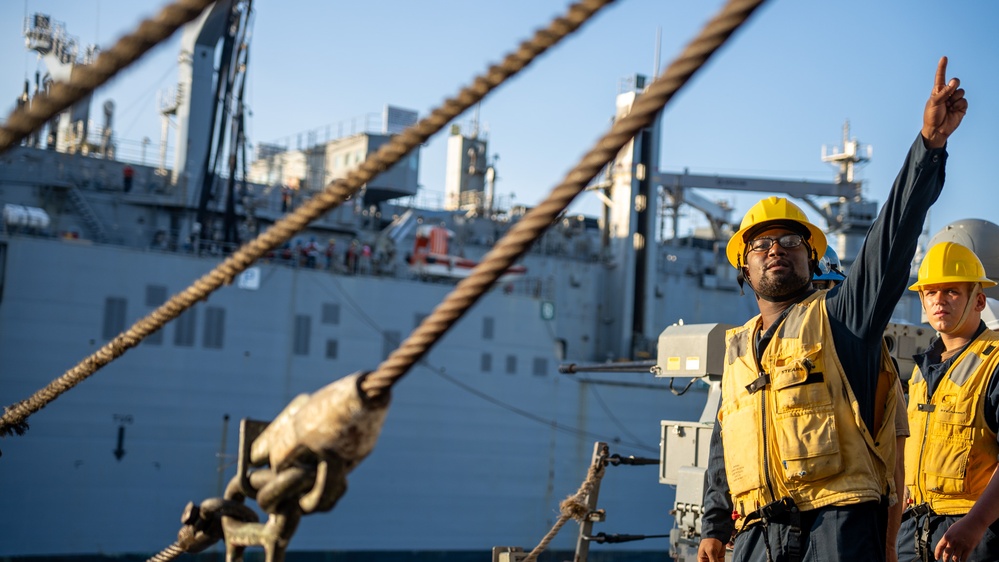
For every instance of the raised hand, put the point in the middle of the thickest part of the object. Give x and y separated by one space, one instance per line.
944 110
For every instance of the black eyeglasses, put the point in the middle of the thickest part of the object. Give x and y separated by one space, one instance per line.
787 241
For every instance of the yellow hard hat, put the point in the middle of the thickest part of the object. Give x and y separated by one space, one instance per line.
773 210
949 262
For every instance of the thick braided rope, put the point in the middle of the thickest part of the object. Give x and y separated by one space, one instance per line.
86 79
13 419
547 539
572 507
520 238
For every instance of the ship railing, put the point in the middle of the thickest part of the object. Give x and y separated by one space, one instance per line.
102 144
433 200
370 123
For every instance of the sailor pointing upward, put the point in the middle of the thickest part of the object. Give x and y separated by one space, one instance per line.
803 452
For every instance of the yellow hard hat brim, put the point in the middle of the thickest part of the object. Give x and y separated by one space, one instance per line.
736 248
946 280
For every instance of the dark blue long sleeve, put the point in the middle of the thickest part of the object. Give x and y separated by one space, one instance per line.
716 521
859 309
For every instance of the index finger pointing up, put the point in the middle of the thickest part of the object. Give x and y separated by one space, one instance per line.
941 79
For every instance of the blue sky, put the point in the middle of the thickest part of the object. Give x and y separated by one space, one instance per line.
780 89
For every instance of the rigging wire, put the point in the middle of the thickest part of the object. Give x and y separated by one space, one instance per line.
550 423
26 52
613 418
139 101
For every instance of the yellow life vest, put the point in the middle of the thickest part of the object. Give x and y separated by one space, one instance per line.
801 434
951 453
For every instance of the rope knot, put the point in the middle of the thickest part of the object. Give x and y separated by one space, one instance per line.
573 507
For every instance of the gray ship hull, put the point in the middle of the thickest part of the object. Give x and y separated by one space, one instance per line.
469 458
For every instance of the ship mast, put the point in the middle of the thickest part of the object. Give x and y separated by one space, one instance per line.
851 154
851 217
60 53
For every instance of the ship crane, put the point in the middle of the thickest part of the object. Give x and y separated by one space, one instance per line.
678 187
848 217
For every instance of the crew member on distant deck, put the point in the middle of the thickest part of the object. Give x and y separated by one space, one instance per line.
801 458
351 257
127 173
312 253
951 461
330 254
365 260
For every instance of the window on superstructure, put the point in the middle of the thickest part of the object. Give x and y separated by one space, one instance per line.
184 331
511 364
331 313
488 327
331 349
155 296
486 365
303 332
390 341
114 317
540 366
214 327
